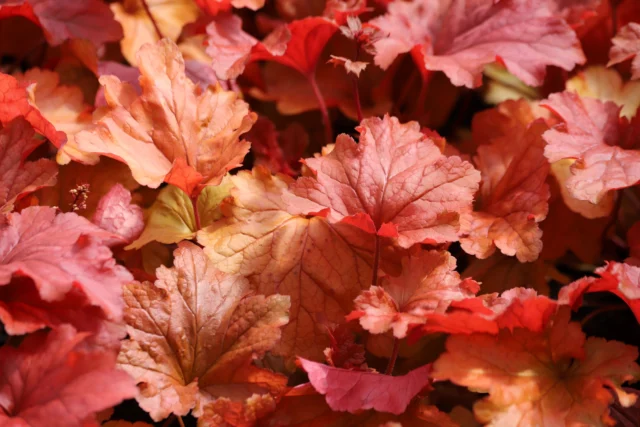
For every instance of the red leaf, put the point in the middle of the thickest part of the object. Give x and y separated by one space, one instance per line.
55 380
596 138
460 37
69 19
620 279
626 45
353 391
15 102
116 214
19 177
306 40
395 179
60 252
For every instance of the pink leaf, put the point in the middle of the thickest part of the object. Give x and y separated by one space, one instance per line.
354 391
116 214
626 45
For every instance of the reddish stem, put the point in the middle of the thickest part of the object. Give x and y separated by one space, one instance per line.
153 20
601 310
196 214
394 357
356 96
376 261
328 132
180 421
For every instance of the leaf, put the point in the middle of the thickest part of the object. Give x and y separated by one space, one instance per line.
229 45
460 37
595 137
173 128
626 45
19 177
55 380
69 19
169 15
15 102
171 218
606 84
60 253
620 279
116 214
214 7
61 105
394 181
514 308
513 195
193 335
353 391
322 267
428 284
554 377
305 40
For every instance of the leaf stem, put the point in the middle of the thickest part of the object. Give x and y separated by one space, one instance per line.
376 261
153 20
180 421
328 132
196 214
605 309
356 96
394 357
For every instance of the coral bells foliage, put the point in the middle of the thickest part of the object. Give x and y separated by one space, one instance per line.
319 213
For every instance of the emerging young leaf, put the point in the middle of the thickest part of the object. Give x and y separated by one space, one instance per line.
513 196
601 143
321 266
626 45
18 176
460 37
174 131
620 279
171 218
428 284
553 377
116 214
61 253
194 334
68 19
54 379
353 391
395 182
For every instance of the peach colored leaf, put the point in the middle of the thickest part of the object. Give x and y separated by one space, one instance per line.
16 101
18 176
395 180
304 39
620 279
626 45
169 15
353 391
553 377
595 136
116 214
172 124
193 335
61 105
460 37
69 19
428 284
171 218
62 252
55 380
513 196
322 267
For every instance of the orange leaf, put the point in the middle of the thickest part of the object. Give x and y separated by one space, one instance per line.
552 377
193 335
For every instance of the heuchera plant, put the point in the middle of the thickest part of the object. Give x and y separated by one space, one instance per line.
319 213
